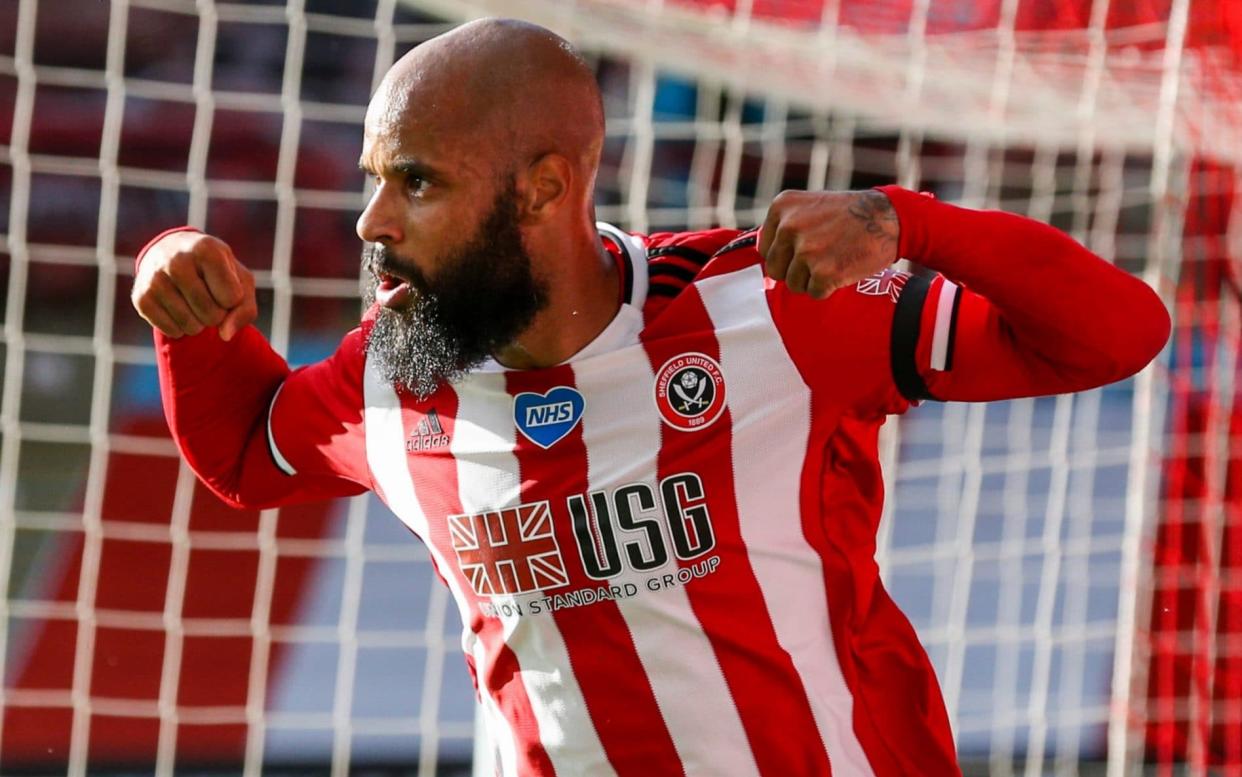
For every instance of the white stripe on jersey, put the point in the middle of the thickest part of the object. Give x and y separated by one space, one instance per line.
622 438
281 461
944 321
487 477
768 452
386 455
499 735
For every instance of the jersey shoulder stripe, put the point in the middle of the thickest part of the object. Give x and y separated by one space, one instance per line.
746 240
737 254
684 251
686 273
675 260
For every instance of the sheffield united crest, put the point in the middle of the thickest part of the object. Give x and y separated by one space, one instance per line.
690 391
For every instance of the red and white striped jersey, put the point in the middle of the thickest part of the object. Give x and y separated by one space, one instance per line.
662 549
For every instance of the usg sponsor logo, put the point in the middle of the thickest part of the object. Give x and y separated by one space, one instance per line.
625 528
634 538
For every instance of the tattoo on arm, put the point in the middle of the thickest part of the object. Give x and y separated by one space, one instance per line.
874 211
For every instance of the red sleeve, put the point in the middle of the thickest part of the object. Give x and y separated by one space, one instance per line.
1017 308
315 426
843 345
217 396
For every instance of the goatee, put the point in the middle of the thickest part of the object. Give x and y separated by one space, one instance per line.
482 295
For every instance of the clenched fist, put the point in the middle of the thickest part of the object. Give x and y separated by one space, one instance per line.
188 281
818 242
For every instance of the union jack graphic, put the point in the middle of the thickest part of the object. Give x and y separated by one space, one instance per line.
887 281
510 551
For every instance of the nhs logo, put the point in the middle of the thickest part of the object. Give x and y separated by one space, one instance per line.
546 415
546 418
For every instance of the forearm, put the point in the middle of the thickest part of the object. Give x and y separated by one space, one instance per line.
1090 322
216 395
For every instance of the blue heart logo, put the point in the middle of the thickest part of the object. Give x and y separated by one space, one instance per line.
548 417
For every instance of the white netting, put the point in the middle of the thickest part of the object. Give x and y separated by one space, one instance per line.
965 70
1016 536
143 624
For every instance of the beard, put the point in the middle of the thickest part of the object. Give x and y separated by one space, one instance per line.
483 295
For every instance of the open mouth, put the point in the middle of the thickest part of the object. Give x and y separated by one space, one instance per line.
393 291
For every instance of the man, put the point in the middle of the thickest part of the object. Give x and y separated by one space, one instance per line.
646 467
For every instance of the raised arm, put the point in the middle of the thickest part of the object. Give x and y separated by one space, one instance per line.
1017 308
1023 309
219 376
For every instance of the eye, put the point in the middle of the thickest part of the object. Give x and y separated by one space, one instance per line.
416 183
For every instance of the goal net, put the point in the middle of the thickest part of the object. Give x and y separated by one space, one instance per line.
1072 564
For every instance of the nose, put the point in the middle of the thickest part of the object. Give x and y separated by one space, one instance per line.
380 221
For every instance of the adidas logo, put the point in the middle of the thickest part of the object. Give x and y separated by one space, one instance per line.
428 434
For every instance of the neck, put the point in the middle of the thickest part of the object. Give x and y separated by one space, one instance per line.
582 300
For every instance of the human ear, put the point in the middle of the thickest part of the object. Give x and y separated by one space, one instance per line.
548 182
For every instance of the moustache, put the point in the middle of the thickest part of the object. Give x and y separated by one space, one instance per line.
380 260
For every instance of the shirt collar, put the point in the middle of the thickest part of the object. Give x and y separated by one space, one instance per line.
633 266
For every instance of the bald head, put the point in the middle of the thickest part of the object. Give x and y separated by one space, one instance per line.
513 89
483 145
